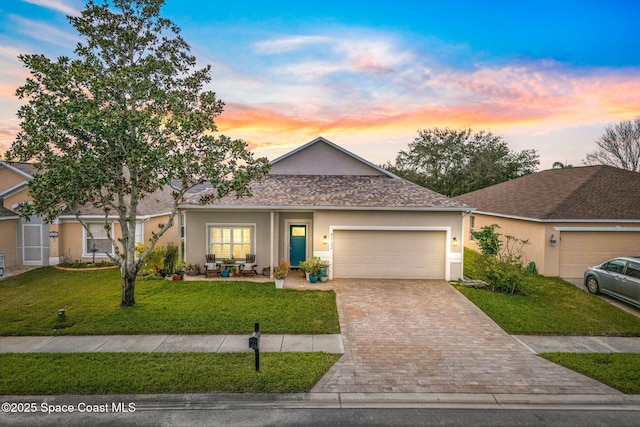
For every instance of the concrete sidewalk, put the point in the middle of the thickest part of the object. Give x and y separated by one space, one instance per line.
571 344
170 343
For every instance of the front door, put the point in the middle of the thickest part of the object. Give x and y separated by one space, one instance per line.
297 244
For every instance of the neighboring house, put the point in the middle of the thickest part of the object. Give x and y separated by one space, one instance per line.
35 242
22 242
573 217
321 200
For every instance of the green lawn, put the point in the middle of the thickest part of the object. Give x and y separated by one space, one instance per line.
618 370
30 304
551 306
132 373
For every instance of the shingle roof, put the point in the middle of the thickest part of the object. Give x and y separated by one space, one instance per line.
337 191
6 213
581 193
160 202
27 168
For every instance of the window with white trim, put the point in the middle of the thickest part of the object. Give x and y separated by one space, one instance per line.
139 232
472 227
100 240
227 241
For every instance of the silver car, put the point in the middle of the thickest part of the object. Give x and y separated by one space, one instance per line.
618 277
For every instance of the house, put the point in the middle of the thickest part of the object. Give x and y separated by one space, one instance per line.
22 242
35 242
573 217
322 200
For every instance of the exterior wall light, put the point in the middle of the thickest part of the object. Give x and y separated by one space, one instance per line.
53 234
553 240
455 242
325 240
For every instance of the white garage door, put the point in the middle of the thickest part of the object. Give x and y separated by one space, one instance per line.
582 249
388 254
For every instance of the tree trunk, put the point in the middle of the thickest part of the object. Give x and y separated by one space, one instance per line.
128 285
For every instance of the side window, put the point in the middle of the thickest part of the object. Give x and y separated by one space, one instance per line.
615 266
633 270
472 227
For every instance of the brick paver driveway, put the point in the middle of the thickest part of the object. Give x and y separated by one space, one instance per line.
424 336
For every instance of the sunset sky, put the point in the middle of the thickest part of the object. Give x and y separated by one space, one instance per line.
367 75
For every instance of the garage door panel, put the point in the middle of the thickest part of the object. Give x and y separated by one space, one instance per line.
388 254
582 249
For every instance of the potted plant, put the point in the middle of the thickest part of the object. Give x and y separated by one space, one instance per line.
179 272
280 273
305 267
228 267
312 266
192 270
324 278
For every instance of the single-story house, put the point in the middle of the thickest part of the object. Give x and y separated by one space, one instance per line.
573 217
35 242
322 200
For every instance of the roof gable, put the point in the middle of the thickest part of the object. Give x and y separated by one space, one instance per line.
322 157
580 193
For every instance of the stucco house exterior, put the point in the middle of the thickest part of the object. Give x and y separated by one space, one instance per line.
37 243
573 217
322 200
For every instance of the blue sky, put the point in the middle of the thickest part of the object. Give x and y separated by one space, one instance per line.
367 75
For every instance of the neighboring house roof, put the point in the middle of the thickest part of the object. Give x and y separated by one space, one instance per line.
157 203
579 193
28 169
25 169
7 214
368 187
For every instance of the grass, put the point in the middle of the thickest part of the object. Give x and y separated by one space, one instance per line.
130 373
91 299
550 306
618 370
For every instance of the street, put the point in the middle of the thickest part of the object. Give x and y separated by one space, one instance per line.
332 417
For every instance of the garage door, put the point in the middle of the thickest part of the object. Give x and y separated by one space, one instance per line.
388 254
581 249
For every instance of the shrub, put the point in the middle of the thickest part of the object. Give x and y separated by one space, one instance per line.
502 276
488 240
154 262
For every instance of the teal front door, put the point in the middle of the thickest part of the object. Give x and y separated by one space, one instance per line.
297 244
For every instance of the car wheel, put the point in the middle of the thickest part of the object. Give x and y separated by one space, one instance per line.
592 285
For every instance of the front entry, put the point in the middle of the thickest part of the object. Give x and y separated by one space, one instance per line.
297 244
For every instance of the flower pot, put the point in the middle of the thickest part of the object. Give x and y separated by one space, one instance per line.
224 273
322 272
279 283
313 279
306 273
324 279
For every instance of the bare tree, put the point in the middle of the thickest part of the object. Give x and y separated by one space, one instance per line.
619 146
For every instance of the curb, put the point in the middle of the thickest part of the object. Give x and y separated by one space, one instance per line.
157 402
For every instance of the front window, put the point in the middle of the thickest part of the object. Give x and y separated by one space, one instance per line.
230 241
97 239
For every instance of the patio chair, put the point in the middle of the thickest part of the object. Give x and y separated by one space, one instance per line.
248 268
211 267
